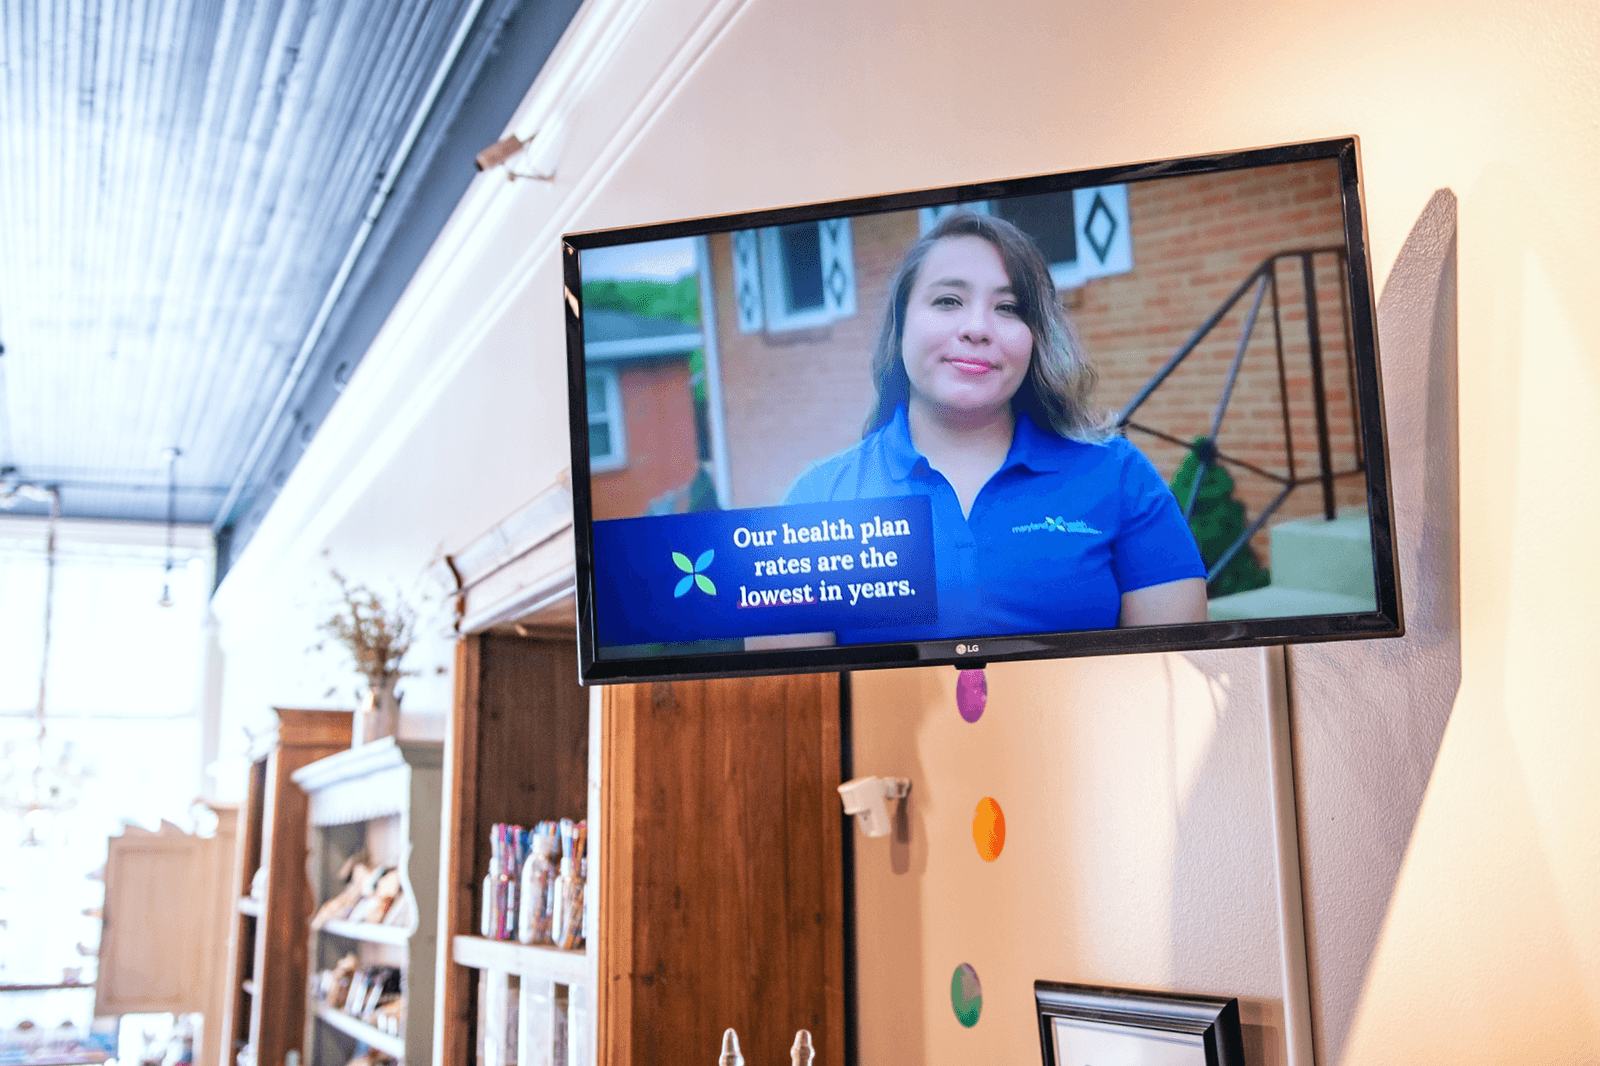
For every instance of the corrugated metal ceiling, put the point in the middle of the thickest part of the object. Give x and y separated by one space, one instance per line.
180 182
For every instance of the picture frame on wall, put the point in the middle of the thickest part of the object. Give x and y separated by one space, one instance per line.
1089 1025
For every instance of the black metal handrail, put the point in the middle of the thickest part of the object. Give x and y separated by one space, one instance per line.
1264 280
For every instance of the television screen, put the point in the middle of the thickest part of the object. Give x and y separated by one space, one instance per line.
1129 409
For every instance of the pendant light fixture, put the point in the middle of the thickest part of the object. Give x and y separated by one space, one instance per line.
172 521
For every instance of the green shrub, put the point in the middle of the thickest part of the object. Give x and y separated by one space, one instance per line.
1216 521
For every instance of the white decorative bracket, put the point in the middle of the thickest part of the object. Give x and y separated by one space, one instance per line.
867 798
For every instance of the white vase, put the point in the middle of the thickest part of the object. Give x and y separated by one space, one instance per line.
379 714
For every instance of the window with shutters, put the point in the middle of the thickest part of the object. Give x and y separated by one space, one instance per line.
794 277
607 441
1084 233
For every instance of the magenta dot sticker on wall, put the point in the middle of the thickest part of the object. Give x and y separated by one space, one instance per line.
966 995
972 693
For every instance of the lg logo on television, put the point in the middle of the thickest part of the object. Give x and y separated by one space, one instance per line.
966 649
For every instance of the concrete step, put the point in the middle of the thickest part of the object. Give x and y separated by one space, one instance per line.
1273 601
1322 556
1318 567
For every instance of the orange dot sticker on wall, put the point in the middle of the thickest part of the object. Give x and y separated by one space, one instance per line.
989 829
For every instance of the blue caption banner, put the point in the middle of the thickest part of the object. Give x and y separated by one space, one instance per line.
805 568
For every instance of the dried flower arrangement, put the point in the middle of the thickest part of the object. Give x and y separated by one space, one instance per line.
377 636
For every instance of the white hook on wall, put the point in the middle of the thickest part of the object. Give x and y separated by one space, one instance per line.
868 799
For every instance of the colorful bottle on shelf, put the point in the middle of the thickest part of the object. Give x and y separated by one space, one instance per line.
563 894
566 924
588 897
533 917
486 920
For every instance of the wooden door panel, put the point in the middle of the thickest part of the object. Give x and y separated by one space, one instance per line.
723 899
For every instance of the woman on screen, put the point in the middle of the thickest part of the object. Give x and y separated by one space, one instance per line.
1043 519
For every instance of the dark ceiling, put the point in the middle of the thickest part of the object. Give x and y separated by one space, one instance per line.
207 210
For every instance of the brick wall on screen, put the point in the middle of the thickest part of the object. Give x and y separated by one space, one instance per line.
792 397
658 411
1195 240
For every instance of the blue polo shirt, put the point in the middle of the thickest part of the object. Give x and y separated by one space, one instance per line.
1053 540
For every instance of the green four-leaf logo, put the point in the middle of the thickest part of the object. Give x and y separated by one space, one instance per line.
692 572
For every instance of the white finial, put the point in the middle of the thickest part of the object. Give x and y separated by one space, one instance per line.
802 1053
730 1050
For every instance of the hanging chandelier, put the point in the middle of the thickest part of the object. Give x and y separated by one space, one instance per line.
39 777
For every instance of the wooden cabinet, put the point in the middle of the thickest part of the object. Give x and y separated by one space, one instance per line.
381 799
716 859
722 902
264 1014
520 753
169 902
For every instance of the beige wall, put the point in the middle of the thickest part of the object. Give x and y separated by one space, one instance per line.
1453 904
1138 848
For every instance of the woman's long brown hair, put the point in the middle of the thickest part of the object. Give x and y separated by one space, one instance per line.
1055 392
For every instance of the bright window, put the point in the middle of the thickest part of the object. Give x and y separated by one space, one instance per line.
608 446
124 692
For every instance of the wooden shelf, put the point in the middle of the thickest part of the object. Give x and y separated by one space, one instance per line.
525 750
367 1034
658 972
266 972
371 932
508 956
680 943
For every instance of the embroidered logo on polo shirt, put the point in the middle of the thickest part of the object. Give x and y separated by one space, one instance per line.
1056 525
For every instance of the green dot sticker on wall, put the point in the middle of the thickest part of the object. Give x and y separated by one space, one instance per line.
966 995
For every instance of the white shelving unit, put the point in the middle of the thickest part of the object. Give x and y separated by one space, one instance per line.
383 796
363 1033
508 956
549 991
369 932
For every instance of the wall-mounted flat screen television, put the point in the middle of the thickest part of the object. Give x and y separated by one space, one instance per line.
1129 409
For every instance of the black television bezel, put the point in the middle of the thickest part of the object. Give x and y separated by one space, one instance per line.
1385 621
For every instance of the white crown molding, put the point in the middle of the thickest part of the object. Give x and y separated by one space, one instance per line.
541 519
399 380
522 592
